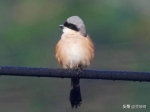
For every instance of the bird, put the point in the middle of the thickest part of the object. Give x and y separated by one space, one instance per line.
74 51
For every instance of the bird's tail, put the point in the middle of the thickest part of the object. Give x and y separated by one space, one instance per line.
75 95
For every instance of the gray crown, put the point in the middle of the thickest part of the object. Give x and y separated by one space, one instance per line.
77 21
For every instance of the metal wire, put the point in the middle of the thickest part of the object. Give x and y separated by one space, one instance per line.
85 74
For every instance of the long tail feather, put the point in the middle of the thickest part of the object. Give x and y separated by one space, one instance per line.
75 95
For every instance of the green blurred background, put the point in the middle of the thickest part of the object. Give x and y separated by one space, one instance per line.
120 30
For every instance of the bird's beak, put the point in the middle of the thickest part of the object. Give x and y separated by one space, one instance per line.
61 26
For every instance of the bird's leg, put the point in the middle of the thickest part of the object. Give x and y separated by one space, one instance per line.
79 70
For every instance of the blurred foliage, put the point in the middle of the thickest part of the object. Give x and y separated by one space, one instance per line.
29 32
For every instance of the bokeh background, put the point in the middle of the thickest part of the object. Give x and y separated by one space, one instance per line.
120 30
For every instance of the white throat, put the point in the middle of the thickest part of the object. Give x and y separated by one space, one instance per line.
67 30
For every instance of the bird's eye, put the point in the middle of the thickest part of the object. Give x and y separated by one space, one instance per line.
66 24
71 26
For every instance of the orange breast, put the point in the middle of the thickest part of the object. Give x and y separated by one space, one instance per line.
74 50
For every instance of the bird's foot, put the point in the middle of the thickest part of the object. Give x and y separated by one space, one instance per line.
79 71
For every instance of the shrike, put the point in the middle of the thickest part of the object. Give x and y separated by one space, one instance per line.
75 50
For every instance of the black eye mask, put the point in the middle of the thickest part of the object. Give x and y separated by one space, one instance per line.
71 26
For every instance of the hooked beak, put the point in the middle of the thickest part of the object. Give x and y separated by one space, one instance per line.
61 26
